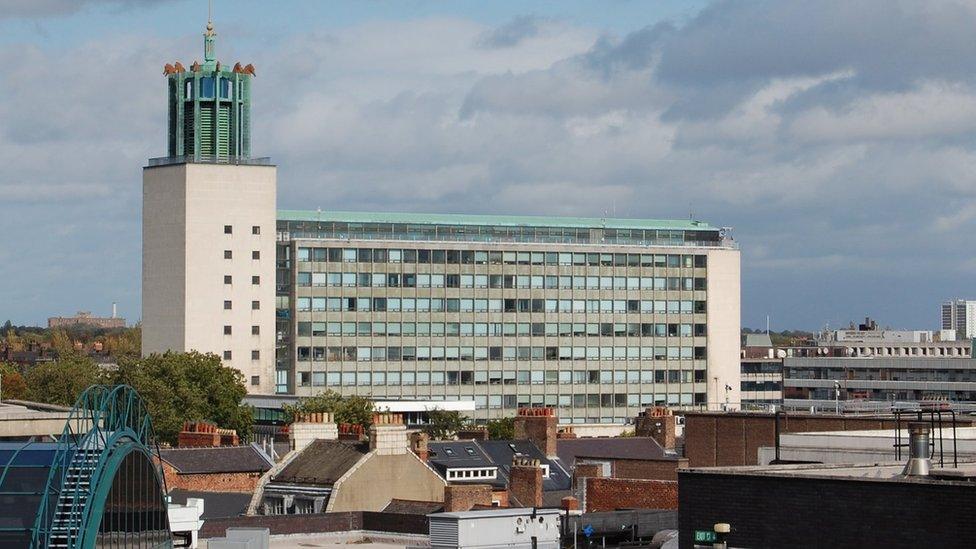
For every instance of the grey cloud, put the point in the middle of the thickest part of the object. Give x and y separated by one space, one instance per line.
510 34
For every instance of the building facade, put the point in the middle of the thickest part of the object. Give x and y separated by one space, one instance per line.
85 318
599 317
960 315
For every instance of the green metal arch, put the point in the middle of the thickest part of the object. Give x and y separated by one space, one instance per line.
106 424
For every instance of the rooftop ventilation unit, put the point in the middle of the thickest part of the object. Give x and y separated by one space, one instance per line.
919 464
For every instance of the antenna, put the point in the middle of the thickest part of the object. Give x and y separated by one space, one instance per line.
210 11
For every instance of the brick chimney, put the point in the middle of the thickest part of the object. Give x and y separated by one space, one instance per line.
202 434
525 481
658 423
388 434
418 444
566 433
472 433
462 497
539 426
310 427
569 503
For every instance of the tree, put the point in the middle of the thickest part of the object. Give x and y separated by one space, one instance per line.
443 424
345 409
12 384
501 428
179 387
62 382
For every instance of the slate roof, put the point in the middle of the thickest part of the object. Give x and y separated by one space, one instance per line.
217 459
323 462
609 448
501 453
215 504
457 453
413 507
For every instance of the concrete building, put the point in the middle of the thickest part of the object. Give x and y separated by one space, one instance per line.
208 227
599 317
960 315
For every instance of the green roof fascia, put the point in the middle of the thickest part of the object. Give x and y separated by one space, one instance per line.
487 220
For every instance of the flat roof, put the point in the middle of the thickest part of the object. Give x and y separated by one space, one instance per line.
499 220
493 513
875 472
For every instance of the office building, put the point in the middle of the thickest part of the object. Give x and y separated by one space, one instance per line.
600 317
960 315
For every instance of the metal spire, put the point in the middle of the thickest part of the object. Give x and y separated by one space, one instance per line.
209 56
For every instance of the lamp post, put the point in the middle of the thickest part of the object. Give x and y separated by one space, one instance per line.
836 397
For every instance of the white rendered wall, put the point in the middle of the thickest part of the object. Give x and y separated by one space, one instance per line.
185 209
724 328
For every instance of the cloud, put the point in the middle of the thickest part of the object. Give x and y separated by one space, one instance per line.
837 137
35 9
510 34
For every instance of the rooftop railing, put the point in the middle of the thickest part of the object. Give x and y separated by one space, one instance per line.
209 159
286 236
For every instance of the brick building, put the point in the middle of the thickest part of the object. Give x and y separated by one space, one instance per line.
232 469
85 318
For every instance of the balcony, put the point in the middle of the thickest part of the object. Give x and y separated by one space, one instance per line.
209 159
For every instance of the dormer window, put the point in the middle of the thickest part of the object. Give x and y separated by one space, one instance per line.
472 473
469 450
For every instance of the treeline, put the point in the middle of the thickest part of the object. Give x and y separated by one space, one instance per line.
176 387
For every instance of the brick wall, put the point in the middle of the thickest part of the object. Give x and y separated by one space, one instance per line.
211 482
609 494
647 469
586 470
725 439
783 511
462 497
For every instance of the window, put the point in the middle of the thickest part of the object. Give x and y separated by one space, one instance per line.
255 280
227 355
227 330
255 380
228 279
228 305
255 255
255 330
228 229
228 254
255 355
255 305
256 229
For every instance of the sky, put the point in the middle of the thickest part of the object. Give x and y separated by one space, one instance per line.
836 137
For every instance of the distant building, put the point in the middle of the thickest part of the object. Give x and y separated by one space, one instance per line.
85 318
960 315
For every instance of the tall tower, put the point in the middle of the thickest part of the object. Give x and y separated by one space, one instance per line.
209 107
208 226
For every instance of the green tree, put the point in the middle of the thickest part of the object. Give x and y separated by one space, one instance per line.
345 409
179 387
501 428
12 384
443 424
62 381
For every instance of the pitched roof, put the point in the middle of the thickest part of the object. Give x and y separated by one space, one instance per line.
609 448
215 504
323 462
217 459
501 453
413 507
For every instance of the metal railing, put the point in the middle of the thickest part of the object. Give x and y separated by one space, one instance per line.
289 236
210 159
